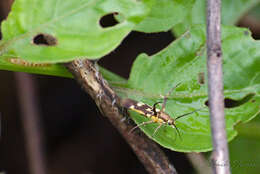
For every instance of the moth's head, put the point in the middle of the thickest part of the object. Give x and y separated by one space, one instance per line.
170 121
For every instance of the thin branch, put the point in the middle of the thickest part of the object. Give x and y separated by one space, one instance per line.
220 157
92 82
30 117
199 162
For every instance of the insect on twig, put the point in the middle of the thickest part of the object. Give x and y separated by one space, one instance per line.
156 115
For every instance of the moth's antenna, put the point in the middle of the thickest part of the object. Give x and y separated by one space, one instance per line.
166 97
154 107
189 113
177 130
174 126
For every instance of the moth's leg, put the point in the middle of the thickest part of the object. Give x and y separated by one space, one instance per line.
157 129
139 125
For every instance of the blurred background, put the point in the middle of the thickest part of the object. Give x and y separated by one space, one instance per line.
73 135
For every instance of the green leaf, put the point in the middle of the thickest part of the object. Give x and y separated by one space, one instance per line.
164 15
231 12
246 161
17 64
184 62
244 155
255 12
59 31
112 78
6 63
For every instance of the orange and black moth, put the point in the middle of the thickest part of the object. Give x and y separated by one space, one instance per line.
156 115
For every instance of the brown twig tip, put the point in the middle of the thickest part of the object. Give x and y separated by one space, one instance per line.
215 89
152 157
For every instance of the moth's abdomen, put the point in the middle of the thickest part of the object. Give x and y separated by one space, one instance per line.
138 107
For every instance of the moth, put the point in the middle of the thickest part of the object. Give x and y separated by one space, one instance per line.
154 114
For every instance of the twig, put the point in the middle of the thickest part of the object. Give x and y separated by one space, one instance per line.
199 162
148 152
220 158
30 118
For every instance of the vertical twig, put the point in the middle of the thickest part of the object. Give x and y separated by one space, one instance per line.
30 118
220 157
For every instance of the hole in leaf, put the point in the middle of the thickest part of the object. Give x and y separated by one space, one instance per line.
201 78
44 40
108 20
230 103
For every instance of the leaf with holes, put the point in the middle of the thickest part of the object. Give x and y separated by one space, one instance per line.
59 31
184 62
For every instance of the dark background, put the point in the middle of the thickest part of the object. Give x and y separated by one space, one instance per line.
76 137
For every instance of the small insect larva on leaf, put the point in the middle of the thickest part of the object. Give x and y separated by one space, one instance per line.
26 63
